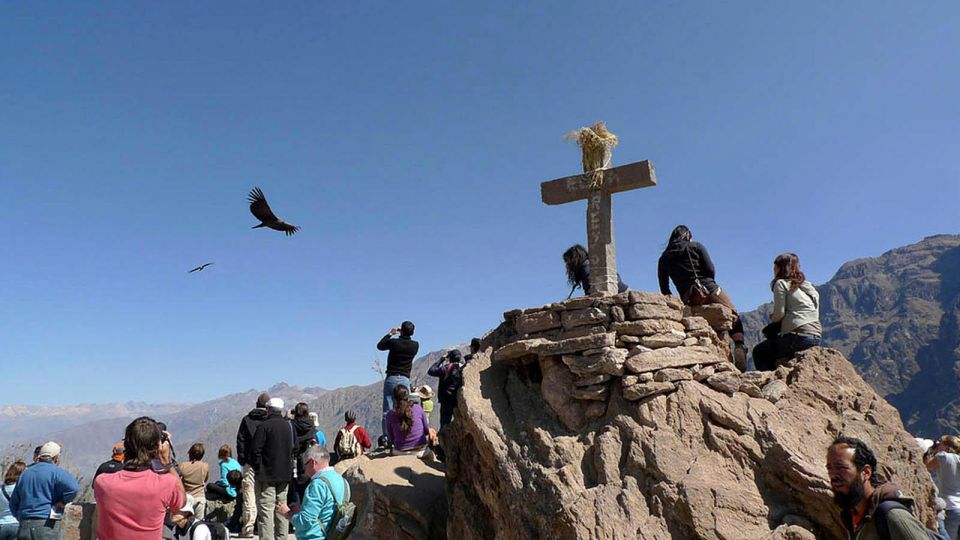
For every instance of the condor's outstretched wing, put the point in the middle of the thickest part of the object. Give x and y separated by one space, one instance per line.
259 207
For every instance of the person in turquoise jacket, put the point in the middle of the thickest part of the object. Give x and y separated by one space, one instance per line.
313 519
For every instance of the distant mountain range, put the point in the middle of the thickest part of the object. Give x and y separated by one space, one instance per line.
89 436
896 317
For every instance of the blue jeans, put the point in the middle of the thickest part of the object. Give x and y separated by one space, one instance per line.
39 529
9 531
389 384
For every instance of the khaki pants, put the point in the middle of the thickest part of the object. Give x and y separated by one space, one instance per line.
249 516
273 526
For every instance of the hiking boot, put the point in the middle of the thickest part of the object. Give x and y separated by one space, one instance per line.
740 356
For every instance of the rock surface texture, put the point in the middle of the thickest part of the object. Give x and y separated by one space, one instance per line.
570 427
397 497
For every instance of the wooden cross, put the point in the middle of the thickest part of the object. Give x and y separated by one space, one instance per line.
600 244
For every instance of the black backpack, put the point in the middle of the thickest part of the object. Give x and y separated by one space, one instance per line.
880 519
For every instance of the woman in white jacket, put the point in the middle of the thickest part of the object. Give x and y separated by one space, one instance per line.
796 307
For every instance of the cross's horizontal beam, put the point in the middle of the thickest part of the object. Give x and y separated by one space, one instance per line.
623 178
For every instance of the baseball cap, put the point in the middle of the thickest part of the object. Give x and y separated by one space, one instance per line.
49 450
275 403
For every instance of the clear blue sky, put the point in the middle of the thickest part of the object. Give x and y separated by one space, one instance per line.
409 142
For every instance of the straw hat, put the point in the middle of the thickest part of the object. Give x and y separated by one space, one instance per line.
425 392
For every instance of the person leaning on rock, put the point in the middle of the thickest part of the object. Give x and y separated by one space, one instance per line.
399 363
688 265
577 262
248 426
796 309
868 507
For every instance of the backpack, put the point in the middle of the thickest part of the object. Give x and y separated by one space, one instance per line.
218 531
346 515
880 519
348 446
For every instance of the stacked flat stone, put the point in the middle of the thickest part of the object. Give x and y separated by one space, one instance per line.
643 343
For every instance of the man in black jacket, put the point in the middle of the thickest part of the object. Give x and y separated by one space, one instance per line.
399 362
449 369
272 459
248 427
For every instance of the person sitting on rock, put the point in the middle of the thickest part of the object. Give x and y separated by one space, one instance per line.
688 265
352 440
408 427
194 475
449 369
577 262
796 309
866 505
222 489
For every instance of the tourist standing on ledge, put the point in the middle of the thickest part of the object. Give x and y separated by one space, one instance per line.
688 265
272 458
399 363
866 505
449 369
8 522
313 519
577 261
248 426
132 503
41 493
796 315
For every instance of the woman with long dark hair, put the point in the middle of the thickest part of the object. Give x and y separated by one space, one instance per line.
796 307
688 265
577 262
407 425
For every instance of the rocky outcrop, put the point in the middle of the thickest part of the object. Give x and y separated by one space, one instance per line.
397 497
620 417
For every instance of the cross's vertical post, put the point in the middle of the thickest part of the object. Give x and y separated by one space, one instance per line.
603 253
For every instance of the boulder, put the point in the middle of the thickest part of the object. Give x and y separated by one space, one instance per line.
719 316
397 497
691 462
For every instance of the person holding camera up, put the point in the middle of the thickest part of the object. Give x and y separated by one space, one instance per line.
449 369
399 363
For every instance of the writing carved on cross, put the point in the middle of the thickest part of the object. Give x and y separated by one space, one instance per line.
603 256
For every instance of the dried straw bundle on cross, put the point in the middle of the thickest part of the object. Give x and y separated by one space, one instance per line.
596 143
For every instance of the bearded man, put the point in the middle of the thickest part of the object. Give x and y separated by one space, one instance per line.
870 510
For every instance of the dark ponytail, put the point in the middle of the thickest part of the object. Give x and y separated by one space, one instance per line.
403 406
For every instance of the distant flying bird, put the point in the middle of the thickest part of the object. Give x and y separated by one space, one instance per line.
261 210
199 268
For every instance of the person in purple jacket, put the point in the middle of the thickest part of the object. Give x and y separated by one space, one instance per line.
408 427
